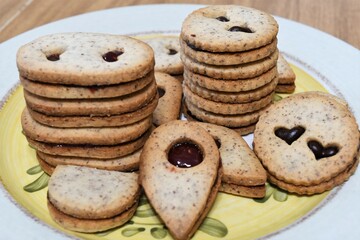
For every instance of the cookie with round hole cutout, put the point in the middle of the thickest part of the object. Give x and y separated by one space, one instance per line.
228 28
85 59
180 171
307 139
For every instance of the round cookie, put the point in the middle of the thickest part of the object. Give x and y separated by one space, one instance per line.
228 28
60 91
246 70
95 121
225 108
85 59
92 136
167 54
235 85
93 107
228 58
170 90
232 97
307 139
78 196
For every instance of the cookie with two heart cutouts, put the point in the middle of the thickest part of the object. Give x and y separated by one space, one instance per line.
306 141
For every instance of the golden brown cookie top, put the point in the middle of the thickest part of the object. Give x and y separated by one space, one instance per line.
228 28
85 59
307 138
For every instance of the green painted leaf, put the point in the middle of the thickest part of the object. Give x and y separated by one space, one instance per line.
143 200
158 233
213 227
280 195
40 183
34 170
277 97
145 213
269 192
131 231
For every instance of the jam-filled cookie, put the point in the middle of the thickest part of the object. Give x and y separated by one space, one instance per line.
308 142
243 173
170 94
89 200
180 171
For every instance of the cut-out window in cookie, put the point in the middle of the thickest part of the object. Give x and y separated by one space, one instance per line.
289 135
185 154
322 152
112 56
161 91
222 19
172 51
53 54
240 29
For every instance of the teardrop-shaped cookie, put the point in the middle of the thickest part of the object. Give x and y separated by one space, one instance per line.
180 171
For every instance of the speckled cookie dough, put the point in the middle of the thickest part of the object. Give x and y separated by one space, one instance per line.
307 139
95 121
226 108
181 196
102 152
97 107
85 59
285 73
227 85
228 28
169 105
126 163
236 120
84 193
92 136
232 97
241 167
246 70
60 91
228 58
167 54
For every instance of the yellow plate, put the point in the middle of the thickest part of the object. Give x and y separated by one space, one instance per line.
231 217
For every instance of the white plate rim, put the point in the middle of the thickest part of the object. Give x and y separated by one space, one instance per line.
328 58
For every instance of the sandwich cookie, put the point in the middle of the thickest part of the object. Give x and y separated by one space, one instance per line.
308 142
180 171
91 200
286 76
170 93
243 173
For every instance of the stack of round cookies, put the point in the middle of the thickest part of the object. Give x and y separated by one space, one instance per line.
90 99
229 55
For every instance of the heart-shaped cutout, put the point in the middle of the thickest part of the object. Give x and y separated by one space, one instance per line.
320 151
289 135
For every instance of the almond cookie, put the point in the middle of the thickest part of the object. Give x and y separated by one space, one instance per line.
228 28
91 200
246 70
126 163
226 108
307 139
232 97
90 151
235 85
61 91
240 165
96 121
92 136
85 59
93 107
180 171
228 58
170 91
167 54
